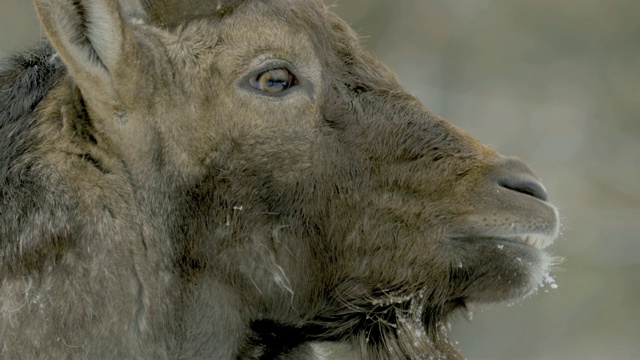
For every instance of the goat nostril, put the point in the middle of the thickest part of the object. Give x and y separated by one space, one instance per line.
511 173
525 185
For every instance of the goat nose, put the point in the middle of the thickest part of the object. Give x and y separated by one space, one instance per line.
513 174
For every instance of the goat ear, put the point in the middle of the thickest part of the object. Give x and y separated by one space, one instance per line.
91 38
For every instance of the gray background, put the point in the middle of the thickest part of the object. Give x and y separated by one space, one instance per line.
556 82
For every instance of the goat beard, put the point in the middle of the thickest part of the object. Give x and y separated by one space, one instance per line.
386 325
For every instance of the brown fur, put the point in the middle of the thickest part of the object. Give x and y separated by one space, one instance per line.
154 205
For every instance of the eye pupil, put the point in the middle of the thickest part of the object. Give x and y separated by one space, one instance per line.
273 81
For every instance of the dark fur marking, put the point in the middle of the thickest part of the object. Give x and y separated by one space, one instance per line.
275 339
24 80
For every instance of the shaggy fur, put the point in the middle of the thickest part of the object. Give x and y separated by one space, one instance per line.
153 204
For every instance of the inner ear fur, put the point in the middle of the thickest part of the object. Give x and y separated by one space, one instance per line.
92 39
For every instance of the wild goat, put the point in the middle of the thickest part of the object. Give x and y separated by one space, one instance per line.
238 180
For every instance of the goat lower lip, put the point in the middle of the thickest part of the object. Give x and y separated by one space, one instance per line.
535 241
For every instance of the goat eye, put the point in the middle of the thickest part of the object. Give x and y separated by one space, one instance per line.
274 81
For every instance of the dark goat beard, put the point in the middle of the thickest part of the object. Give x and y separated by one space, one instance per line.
386 325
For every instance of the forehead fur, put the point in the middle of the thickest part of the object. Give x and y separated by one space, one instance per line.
172 13
334 41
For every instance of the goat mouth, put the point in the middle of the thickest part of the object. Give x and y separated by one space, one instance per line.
536 241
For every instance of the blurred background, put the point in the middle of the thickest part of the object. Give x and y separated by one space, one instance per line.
556 82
